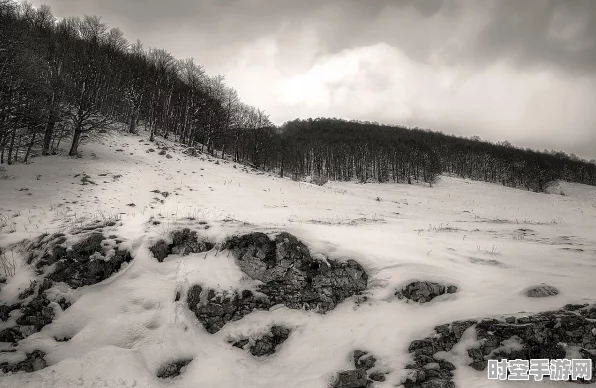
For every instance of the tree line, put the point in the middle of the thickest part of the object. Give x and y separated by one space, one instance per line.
68 79
352 150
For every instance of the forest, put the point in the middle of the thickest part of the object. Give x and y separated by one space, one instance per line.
70 79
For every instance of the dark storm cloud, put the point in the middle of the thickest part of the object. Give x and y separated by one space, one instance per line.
558 32
530 32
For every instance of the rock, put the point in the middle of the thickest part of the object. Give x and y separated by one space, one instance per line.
423 292
291 276
36 314
45 285
184 242
241 343
541 291
267 344
34 362
363 360
6 309
168 156
222 308
162 152
377 376
79 267
173 369
538 336
11 334
355 378
27 292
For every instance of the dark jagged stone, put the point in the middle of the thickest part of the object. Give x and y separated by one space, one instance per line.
241 343
220 309
267 344
538 337
423 292
184 242
34 361
289 276
363 360
541 291
173 369
11 334
64 304
377 376
27 292
354 378
361 376
77 267
37 313
6 309
45 285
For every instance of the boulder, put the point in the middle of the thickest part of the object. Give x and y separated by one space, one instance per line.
173 369
34 361
541 291
184 242
424 291
288 275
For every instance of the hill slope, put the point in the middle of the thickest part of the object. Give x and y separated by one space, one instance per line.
492 242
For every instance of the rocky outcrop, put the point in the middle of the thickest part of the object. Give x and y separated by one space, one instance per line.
541 291
537 336
5 310
353 378
423 292
266 344
87 262
84 263
548 335
361 376
221 308
291 276
11 335
184 242
34 361
288 274
173 369
36 314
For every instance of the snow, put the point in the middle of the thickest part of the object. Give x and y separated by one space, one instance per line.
491 241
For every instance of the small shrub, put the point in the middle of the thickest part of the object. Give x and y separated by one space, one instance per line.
319 180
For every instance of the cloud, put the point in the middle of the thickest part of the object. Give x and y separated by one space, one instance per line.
518 70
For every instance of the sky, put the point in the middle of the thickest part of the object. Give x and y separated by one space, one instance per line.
522 71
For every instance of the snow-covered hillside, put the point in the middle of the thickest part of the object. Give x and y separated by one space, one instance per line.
492 242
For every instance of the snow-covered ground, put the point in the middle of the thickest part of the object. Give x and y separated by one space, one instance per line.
490 241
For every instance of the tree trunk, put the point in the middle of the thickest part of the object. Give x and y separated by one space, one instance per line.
30 146
74 148
48 134
132 127
59 140
3 138
10 148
